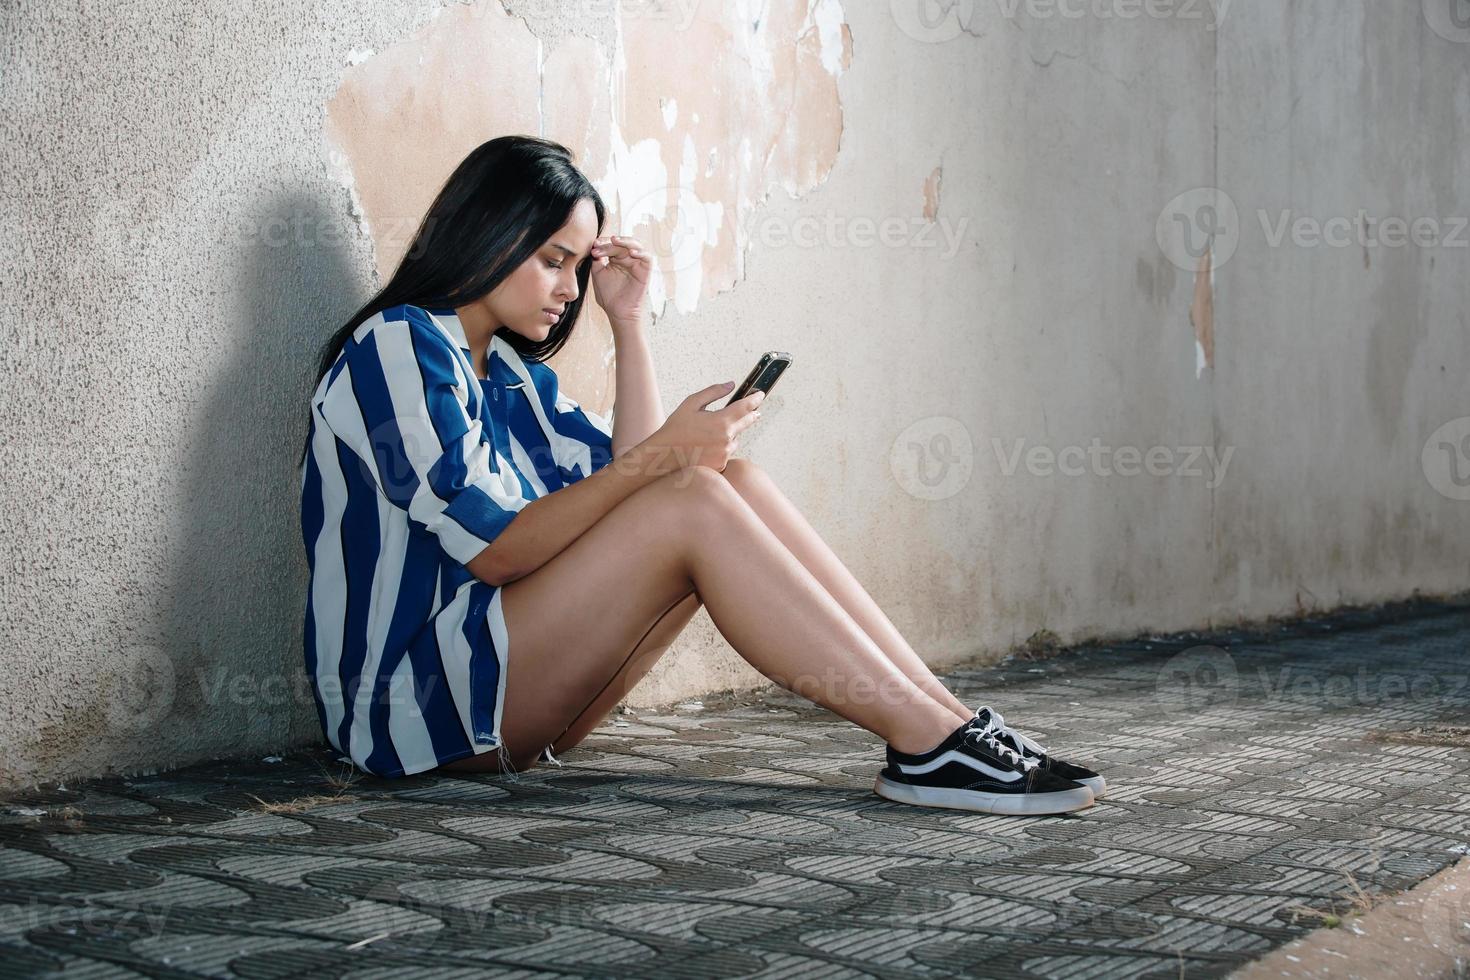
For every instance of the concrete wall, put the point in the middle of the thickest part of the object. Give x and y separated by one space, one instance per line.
194 197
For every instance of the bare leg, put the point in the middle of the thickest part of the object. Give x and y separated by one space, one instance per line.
655 644
788 524
573 621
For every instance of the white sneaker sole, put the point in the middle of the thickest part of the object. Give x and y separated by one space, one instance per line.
1097 784
1009 804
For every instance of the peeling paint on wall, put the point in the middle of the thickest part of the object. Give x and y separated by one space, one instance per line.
931 193
1202 315
403 118
685 176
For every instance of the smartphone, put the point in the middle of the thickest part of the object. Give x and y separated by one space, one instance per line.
763 376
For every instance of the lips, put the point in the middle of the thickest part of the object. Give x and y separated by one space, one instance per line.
555 313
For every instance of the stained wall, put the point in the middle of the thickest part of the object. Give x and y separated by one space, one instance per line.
1060 364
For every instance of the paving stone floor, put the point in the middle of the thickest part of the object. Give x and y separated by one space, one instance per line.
1258 780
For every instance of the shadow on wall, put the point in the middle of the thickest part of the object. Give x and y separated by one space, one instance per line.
234 628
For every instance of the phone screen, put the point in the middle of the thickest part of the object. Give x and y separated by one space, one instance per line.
763 376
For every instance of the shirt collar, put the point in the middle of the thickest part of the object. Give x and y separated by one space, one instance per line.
499 353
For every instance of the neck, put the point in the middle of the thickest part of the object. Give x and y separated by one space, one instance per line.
479 327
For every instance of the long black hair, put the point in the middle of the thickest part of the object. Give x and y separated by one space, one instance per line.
499 206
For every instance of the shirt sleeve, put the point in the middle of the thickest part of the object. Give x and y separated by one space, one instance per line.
404 405
581 442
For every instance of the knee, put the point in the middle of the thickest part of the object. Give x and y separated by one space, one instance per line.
741 470
698 495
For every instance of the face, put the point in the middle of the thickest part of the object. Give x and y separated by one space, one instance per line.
545 281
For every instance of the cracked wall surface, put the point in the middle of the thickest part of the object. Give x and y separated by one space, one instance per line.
680 166
954 227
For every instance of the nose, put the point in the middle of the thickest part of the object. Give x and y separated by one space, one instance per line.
566 286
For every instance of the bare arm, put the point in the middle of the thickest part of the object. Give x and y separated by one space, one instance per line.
620 272
638 411
548 524
691 436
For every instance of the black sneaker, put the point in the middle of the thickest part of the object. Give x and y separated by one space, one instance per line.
973 769
988 719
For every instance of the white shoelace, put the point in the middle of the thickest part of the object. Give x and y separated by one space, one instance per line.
993 739
997 727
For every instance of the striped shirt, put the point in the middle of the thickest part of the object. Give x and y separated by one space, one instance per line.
414 466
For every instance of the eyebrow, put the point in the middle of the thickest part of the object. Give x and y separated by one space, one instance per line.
562 248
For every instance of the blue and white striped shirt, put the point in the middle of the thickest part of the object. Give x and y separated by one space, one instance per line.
414 466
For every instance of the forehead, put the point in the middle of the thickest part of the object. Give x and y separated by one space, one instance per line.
580 229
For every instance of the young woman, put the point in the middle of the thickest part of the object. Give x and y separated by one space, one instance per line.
493 566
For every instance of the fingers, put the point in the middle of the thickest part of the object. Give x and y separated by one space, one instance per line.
746 405
743 423
706 396
617 247
745 412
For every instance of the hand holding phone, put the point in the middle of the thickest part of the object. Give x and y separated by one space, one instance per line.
695 435
762 377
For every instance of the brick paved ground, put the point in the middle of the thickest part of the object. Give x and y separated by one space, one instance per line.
1259 780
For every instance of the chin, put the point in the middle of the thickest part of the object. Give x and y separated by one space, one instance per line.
533 332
